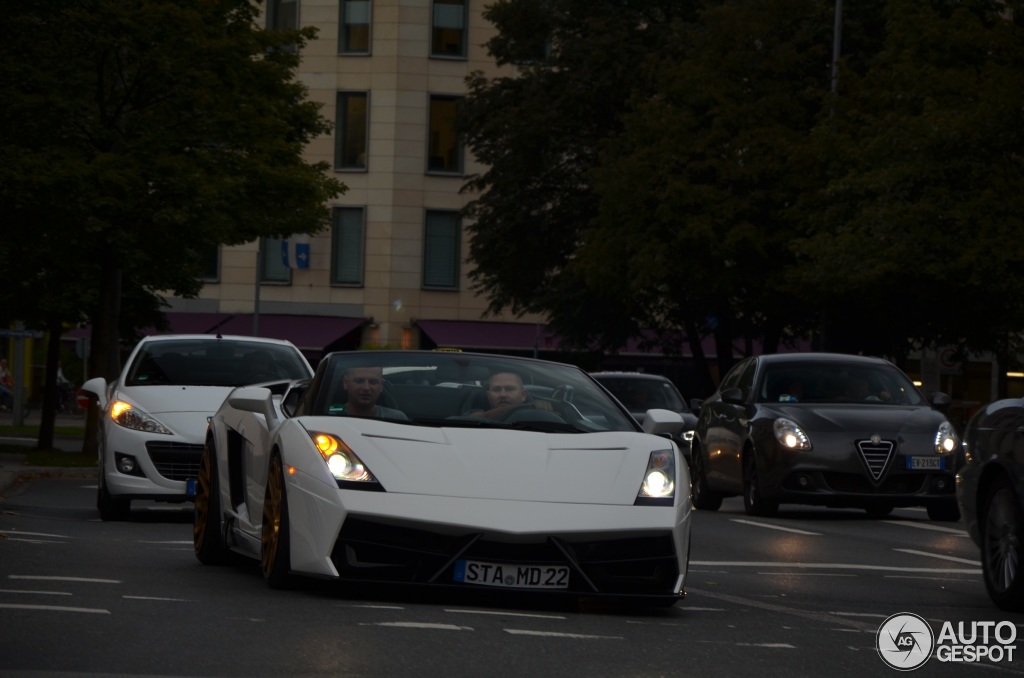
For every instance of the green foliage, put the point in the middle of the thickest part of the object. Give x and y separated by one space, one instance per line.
687 166
137 135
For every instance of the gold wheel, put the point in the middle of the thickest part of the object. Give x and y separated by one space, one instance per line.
276 558
201 523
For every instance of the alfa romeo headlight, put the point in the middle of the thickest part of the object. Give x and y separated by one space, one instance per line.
124 414
946 439
791 436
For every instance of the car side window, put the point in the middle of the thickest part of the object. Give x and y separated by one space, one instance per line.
735 375
746 378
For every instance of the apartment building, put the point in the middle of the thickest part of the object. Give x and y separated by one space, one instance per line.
391 270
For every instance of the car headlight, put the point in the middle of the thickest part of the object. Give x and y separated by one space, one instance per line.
946 438
790 435
659 485
124 414
342 462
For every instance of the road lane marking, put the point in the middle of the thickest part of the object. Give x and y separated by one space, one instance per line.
776 527
553 634
85 580
784 646
54 608
37 593
940 556
505 614
169 600
922 526
835 566
421 625
807 574
19 533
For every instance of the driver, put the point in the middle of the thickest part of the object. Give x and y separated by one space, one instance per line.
363 386
505 392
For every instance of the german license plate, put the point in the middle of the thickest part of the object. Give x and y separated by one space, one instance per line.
512 576
190 487
925 463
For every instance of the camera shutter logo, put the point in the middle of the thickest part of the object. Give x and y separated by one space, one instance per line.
904 641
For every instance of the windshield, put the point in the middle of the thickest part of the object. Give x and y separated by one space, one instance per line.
838 383
640 394
461 389
214 362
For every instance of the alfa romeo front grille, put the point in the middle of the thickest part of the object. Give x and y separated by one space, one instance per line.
876 456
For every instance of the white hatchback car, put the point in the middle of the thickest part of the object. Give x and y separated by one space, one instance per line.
154 417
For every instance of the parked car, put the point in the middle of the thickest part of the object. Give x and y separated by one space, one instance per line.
154 416
470 471
827 429
641 391
991 495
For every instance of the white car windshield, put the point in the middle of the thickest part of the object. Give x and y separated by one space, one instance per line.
460 389
214 362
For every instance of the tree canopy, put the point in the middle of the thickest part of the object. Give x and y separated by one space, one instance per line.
135 137
693 168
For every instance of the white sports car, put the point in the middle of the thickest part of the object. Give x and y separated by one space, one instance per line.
153 418
448 469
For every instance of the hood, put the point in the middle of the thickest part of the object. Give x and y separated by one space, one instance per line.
594 468
183 409
860 419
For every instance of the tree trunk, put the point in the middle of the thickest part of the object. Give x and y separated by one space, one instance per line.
49 408
105 357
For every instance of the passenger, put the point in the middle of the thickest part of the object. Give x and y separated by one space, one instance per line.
364 386
794 392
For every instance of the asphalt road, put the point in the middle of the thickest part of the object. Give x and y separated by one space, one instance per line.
798 595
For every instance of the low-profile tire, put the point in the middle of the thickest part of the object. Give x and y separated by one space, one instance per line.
275 540
1002 547
703 498
111 507
947 511
208 524
753 501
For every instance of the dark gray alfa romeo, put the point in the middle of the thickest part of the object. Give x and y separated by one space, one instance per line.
827 429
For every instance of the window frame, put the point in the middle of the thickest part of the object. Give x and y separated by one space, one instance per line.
336 245
343 48
455 252
268 253
435 36
341 132
460 151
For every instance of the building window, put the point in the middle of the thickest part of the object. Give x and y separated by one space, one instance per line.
350 131
282 15
348 227
211 268
273 268
441 239
444 147
354 27
448 38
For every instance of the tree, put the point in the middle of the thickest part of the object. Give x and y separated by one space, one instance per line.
915 237
138 135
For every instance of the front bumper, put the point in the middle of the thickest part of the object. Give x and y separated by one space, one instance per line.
163 463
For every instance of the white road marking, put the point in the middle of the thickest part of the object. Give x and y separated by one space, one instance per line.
37 593
86 580
505 614
552 634
33 541
940 556
422 625
54 608
180 541
922 526
169 600
808 574
859 614
835 566
19 533
776 527
378 607
784 646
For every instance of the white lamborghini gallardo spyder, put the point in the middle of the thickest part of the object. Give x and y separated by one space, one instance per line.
448 469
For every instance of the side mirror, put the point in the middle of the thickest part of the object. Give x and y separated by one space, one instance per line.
661 422
98 388
695 404
733 396
254 399
940 401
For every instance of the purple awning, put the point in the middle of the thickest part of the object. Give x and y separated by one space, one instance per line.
488 335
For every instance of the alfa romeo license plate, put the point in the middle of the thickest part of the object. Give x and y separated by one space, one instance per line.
512 576
925 463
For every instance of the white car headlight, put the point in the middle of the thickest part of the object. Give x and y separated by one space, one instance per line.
946 439
659 484
790 435
342 462
123 414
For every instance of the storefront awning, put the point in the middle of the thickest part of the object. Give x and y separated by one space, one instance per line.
488 335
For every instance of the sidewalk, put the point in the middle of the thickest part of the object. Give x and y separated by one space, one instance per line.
12 465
